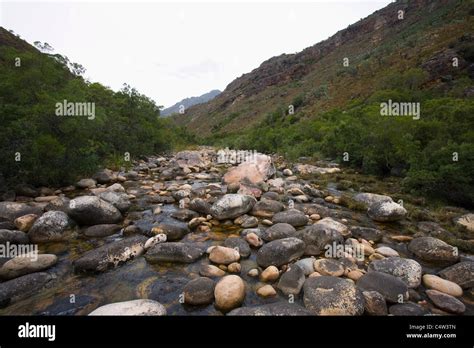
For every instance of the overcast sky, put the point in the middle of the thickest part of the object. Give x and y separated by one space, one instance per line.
173 50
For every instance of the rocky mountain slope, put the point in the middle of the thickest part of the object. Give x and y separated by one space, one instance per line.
403 35
188 102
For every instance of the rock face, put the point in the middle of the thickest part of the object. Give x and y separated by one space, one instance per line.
173 252
280 252
391 288
461 273
134 307
326 295
26 264
292 281
278 231
434 282
223 255
11 210
111 255
293 217
90 210
231 206
22 287
386 211
409 271
257 170
318 239
199 291
271 309
446 302
50 227
433 250
13 237
229 292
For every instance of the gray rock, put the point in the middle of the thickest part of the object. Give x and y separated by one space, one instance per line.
367 233
200 205
293 217
104 176
174 252
326 295
271 309
184 214
199 291
90 210
278 231
280 252
407 270
307 265
446 302
86 183
292 281
240 243
22 287
103 230
110 255
231 206
173 230
11 210
374 303
25 264
52 226
371 198
433 250
461 273
386 211
13 237
390 287
407 309
134 307
318 238
266 208
118 199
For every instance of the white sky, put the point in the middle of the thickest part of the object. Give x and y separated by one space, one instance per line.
173 50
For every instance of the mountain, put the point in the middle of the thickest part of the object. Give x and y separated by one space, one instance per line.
188 102
375 45
331 100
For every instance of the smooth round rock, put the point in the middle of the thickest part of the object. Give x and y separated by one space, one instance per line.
223 255
229 293
329 267
446 302
199 291
436 283
134 307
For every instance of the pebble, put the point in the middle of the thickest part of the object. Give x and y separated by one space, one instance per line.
436 283
266 291
270 273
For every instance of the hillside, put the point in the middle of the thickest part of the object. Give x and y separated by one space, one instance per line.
188 102
311 104
316 80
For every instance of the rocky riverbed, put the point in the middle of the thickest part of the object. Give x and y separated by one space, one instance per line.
186 234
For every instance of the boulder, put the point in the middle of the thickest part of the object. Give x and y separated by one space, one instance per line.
91 210
25 264
390 287
466 222
319 239
223 255
52 226
266 208
433 250
386 211
103 230
446 302
407 309
238 244
291 281
174 230
11 210
278 231
326 295
199 291
13 237
257 170
110 255
280 252
461 273
367 233
134 307
370 198
434 282
174 252
119 200
374 303
271 309
293 217
329 267
22 287
24 223
231 206
407 270
229 293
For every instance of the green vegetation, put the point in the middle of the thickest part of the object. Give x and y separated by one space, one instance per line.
434 154
41 148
